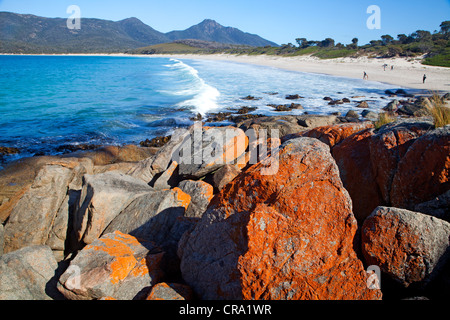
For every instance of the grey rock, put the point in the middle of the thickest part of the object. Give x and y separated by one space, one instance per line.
31 219
168 179
152 217
352 114
61 237
201 194
363 104
225 175
145 170
369 115
2 237
392 106
209 149
316 121
25 274
413 110
439 207
102 198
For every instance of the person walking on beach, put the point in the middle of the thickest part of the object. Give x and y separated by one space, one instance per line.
365 76
424 78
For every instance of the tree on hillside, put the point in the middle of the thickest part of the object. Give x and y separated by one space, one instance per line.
354 44
386 39
402 38
302 42
312 43
445 27
327 43
421 35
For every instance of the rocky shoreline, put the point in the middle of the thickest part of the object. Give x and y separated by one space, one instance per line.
284 207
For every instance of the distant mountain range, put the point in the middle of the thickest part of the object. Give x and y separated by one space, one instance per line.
25 33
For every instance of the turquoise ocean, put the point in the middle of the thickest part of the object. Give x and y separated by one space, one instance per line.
47 102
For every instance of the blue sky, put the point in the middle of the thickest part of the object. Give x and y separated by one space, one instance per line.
281 21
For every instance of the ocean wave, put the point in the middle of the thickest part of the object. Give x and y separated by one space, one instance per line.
202 97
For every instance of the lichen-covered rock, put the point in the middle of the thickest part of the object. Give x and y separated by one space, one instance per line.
116 265
423 173
2 238
408 246
388 147
201 194
353 159
158 217
333 135
288 235
170 291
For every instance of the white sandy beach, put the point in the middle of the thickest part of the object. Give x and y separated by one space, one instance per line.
407 74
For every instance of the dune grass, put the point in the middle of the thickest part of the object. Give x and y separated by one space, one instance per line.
383 119
439 111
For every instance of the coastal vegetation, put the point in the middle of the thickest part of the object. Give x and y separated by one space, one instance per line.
434 47
439 111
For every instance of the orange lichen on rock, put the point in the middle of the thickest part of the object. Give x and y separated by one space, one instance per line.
170 291
207 190
283 236
423 172
234 141
116 265
408 246
118 248
353 159
333 135
182 197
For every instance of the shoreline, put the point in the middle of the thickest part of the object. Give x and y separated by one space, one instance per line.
406 74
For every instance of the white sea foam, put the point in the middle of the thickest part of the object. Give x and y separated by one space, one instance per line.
202 96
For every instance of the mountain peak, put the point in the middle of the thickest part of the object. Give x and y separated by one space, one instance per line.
210 21
131 20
